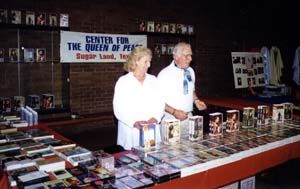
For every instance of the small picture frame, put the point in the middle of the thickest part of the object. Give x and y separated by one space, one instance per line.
165 27
142 26
28 55
64 20
157 27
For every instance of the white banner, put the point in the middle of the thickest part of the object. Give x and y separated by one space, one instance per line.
93 47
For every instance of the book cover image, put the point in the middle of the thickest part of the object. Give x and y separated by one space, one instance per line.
195 128
18 102
53 19
41 19
28 55
5 104
278 113
215 124
232 120
33 101
179 28
156 50
263 115
1 54
150 26
170 48
15 17
3 16
157 27
48 101
41 55
172 28
147 135
190 29
163 49
13 54
248 117
64 20
30 18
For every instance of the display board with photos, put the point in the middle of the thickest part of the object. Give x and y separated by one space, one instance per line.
248 69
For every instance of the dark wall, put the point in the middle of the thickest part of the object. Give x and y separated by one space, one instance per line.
220 28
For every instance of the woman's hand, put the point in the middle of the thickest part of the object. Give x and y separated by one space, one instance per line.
181 115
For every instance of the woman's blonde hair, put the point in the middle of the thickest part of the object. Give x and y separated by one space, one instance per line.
136 54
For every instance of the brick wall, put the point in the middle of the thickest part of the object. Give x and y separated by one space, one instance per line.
221 27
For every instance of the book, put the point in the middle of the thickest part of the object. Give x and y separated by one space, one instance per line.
62 145
172 28
38 134
248 117
190 29
157 27
170 48
36 186
179 28
163 49
215 124
19 123
64 20
263 115
165 27
3 16
28 55
232 120
53 19
105 160
147 135
51 164
142 26
131 182
77 151
195 127
15 17
278 113
33 178
171 131
41 19
30 18
41 55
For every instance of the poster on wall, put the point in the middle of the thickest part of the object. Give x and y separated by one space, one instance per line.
78 47
248 69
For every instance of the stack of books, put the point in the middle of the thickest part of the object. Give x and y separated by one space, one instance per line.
51 164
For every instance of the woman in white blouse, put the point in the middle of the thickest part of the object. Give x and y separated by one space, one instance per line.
137 99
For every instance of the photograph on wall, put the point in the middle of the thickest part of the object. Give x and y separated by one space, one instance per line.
190 29
28 55
172 28
3 16
41 55
150 26
41 19
13 54
30 18
16 17
1 54
248 69
157 27
156 50
64 20
52 19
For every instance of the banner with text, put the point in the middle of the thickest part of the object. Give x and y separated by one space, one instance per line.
92 47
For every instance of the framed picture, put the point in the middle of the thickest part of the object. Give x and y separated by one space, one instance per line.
165 27
28 55
30 18
179 28
142 26
156 50
52 19
64 20
172 28
157 27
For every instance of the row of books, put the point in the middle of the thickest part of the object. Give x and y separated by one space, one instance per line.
164 27
10 104
32 18
26 55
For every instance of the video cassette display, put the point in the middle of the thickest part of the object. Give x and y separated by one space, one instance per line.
33 101
47 101
263 115
278 113
147 135
215 124
288 110
195 127
232 120
171 131
248 117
